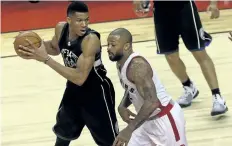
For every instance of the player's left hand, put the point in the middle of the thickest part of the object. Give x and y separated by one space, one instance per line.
230 37
215 13
123 137
39 54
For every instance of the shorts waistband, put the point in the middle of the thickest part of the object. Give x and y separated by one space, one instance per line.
166 109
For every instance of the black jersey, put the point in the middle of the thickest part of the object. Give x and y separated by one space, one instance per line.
72 50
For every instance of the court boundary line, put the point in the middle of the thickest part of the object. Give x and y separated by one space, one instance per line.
213 33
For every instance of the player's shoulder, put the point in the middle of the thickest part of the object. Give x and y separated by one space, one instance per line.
60 25
140 66
92 40
91 37
138 61
92 34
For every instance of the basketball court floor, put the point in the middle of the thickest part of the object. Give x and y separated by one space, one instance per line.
31 91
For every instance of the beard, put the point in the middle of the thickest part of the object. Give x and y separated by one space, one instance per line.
116 57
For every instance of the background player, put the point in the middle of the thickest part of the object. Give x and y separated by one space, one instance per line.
174 18
144 89
89 97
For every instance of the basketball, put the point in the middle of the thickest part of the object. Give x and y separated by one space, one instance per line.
20 39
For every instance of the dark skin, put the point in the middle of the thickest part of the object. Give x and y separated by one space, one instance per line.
90 46
123 110
140 73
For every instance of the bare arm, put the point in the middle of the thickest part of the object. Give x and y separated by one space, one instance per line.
90 46
125 103
141 74
51 46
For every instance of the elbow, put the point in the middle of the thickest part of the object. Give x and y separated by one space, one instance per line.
79 81
153 103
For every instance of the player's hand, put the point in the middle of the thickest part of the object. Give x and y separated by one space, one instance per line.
230 37
123 137
126 114
39 54
141 8
215 13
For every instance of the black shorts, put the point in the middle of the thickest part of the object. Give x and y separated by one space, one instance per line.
184 21
98 114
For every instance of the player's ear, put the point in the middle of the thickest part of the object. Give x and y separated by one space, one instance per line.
68 20
127 46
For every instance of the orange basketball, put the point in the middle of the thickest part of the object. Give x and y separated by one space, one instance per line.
33 37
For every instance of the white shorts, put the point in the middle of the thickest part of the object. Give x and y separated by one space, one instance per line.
166 130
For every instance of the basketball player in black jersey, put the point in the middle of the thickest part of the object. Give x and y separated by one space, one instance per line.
89 97
174 18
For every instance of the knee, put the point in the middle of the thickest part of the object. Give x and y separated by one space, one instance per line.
201 56
172 58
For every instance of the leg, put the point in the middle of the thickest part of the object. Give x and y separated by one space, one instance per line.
177 66
100 116
177 132
68 127
61 142
167 43
167 38
207 68
140 138
169 129
69 122
196 39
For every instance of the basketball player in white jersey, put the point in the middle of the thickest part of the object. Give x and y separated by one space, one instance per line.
159 120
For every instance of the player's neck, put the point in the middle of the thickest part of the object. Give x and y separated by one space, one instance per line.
72 36
124 59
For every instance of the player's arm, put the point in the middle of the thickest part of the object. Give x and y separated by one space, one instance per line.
90 46
125 103
51 46
140 73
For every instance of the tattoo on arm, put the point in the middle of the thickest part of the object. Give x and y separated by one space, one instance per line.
141 74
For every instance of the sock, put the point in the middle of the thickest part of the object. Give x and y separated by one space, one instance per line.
216 91
187 83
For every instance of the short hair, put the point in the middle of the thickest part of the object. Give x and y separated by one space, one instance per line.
77 6
124 33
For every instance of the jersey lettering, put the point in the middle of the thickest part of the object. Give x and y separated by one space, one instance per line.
125 86
70 59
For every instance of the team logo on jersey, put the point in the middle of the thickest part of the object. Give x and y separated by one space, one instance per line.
70 59
202 33
125 86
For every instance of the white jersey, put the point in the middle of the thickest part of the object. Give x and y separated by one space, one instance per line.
135 97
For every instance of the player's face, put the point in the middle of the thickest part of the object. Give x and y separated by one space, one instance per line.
115 48
78 23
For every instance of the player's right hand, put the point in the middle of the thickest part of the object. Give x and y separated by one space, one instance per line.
126 114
